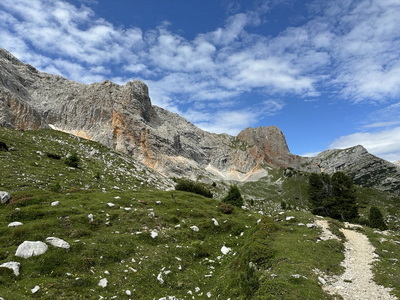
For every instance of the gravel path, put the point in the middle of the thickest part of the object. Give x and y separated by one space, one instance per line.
357 280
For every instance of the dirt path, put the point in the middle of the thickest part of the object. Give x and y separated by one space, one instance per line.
357 280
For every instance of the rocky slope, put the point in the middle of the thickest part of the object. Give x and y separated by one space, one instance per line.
123 118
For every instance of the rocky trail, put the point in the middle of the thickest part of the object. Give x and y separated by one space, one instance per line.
357 280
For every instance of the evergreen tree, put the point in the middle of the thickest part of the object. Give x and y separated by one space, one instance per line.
332 196
376 218
233 197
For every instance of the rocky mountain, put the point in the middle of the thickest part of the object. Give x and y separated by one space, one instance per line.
123 118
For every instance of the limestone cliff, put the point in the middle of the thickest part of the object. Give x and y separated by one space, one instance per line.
123 118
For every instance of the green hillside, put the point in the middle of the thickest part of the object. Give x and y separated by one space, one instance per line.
126 224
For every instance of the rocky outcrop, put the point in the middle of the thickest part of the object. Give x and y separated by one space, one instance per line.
123 118
366 169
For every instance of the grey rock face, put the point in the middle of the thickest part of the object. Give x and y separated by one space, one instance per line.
366 169
123 118
28 249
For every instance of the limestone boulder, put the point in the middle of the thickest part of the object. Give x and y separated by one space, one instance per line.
31 248
13 265
4 197
57 242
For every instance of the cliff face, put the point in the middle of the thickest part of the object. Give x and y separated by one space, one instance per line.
123 118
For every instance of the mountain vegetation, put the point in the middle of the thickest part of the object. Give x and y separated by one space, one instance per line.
133 236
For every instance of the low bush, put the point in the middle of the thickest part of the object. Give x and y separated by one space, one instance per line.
225 208
192 187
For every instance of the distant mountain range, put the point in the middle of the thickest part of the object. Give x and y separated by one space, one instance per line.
123 118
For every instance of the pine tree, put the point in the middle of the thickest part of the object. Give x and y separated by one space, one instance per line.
233 197
376 218
332 196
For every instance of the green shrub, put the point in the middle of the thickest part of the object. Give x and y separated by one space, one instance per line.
233 197
53 155
376 218
72 160
192 187
225 208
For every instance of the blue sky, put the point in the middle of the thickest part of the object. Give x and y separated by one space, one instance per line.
327 73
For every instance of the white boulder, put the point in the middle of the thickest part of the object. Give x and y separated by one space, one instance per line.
13 266
55 203
15 224
28 249
225 250
56 242
103 282
195 228
4 197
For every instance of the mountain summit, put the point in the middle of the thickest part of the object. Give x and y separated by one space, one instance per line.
123 118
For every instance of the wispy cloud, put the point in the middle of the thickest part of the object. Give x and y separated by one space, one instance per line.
349 49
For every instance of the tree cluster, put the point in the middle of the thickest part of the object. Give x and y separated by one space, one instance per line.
333 196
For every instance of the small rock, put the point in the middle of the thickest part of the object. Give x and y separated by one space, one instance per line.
215 222
154 234
225 250
195 228
15 224
56 242
91 217
110 204
103 282
159 278
28 249
290 218
55 203
13 266
322 280
35 289
310 225
128 292
158 202
4 197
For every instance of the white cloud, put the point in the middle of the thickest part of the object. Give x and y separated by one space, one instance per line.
385 143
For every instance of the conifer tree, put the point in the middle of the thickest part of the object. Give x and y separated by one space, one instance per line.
233 197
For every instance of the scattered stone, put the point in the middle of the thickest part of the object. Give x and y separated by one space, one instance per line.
128 293
225 250
35 289
215 222
4 197
91 217
15 224
110 204
154 234
310 225
321 280
103 282
28 249
301 224
13 266
55 203
56 242
195 228
160 278
290 218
